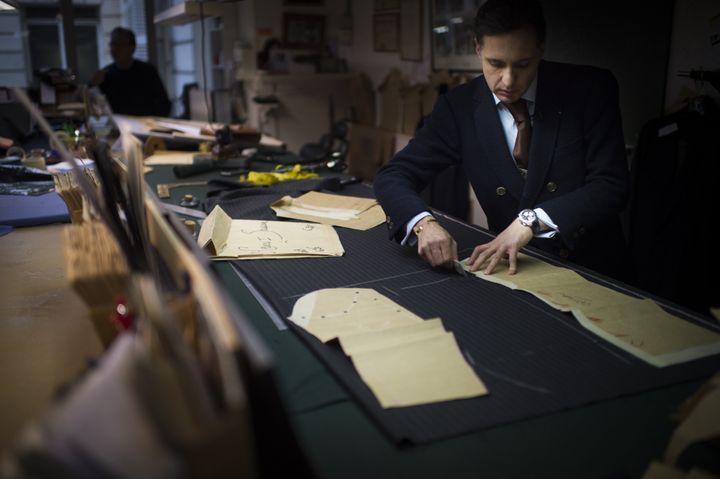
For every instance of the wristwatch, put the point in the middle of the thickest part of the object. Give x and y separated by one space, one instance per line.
529 218
417 229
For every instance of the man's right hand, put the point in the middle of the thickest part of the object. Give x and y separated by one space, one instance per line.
435 245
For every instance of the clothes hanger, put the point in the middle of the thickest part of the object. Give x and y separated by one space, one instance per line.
702 103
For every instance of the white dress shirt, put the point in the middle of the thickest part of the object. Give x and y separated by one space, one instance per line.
509 126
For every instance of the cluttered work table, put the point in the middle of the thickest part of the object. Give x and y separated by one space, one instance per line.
617 435
560 401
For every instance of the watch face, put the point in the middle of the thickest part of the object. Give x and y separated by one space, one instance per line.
527 217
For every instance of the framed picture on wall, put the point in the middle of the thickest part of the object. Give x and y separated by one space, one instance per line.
386 34
303 31
411 27
452 40
383 5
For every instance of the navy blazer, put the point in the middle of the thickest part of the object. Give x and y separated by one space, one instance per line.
578 171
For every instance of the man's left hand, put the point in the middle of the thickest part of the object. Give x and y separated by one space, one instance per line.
506 245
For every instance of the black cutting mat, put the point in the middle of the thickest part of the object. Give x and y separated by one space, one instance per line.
533 359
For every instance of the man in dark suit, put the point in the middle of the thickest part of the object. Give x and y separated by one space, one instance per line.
541 144
132 87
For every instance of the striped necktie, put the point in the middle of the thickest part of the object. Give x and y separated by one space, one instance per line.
521 151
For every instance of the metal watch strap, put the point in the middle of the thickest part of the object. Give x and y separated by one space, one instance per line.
417 229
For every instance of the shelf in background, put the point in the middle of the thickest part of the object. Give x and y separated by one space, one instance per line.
187 12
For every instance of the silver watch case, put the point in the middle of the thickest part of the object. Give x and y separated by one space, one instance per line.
529 218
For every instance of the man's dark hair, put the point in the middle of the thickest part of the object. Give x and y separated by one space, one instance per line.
126 33
496 17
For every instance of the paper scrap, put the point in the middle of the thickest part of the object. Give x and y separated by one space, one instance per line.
366 342
339 312
402 358
701 423
198 130
689 404
346 211
638 326
658 470
419 372
162 157
227 238
697 473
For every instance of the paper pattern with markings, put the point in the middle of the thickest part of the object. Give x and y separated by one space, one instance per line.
346 211
231 239
403 359
336 312
638 326
169 157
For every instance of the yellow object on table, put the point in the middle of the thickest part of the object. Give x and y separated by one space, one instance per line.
272 177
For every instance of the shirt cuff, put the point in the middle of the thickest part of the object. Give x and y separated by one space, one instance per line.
411 224
542 216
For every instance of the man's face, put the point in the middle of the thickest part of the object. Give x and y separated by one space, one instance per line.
510 62
121 49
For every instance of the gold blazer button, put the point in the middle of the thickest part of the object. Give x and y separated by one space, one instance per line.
500 191
552 187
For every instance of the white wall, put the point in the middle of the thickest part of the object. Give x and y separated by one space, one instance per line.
268 16
691 48
362 57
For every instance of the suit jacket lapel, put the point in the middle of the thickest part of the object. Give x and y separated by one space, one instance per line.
546 123
491 136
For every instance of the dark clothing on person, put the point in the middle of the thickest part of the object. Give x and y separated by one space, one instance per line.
577 174
137 90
